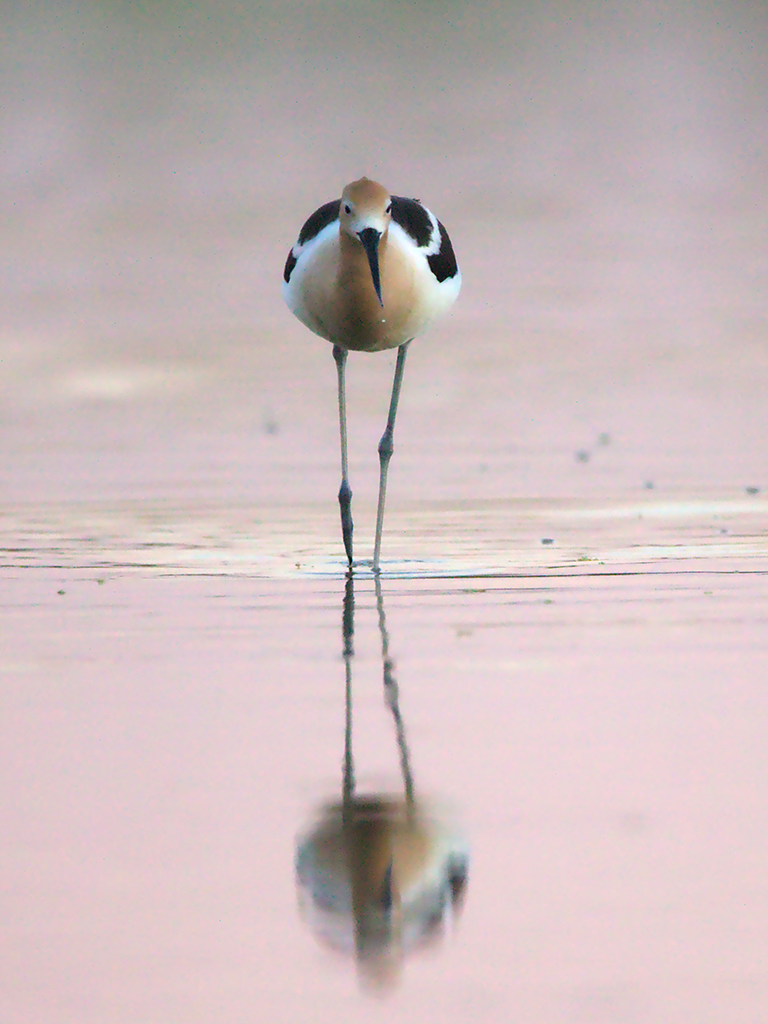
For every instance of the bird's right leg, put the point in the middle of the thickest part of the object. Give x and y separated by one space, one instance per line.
345 491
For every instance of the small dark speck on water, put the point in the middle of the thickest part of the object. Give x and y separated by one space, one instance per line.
648 485
61 591
604 439
271 427
752 490
582 455
723 529
547 540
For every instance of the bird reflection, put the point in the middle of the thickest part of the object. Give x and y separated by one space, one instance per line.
379 874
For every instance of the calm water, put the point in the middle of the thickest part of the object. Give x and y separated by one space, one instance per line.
598 739
576 545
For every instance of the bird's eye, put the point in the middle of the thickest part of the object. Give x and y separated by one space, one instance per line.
388 209
347 208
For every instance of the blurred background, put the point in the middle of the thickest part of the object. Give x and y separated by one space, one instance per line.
600 167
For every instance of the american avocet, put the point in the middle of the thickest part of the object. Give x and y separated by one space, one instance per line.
369 272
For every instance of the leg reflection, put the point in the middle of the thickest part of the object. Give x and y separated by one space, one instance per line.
379 874
392 697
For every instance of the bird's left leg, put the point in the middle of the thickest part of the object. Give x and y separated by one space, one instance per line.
386 447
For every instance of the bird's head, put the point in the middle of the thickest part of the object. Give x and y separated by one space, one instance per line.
364 214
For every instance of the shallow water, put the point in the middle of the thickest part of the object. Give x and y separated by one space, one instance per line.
596 730
576 545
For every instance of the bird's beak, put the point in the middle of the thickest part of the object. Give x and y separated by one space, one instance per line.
370 238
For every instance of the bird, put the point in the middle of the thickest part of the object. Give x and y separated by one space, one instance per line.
370 271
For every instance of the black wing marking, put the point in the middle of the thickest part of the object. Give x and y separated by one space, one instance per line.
413 219
321 218
443 263
327 214
290 263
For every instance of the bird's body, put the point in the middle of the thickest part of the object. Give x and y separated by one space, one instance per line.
370 272
328 278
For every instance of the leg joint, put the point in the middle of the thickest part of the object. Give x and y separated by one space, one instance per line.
386 445
340 355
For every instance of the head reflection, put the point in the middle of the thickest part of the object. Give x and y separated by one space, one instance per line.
379 874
